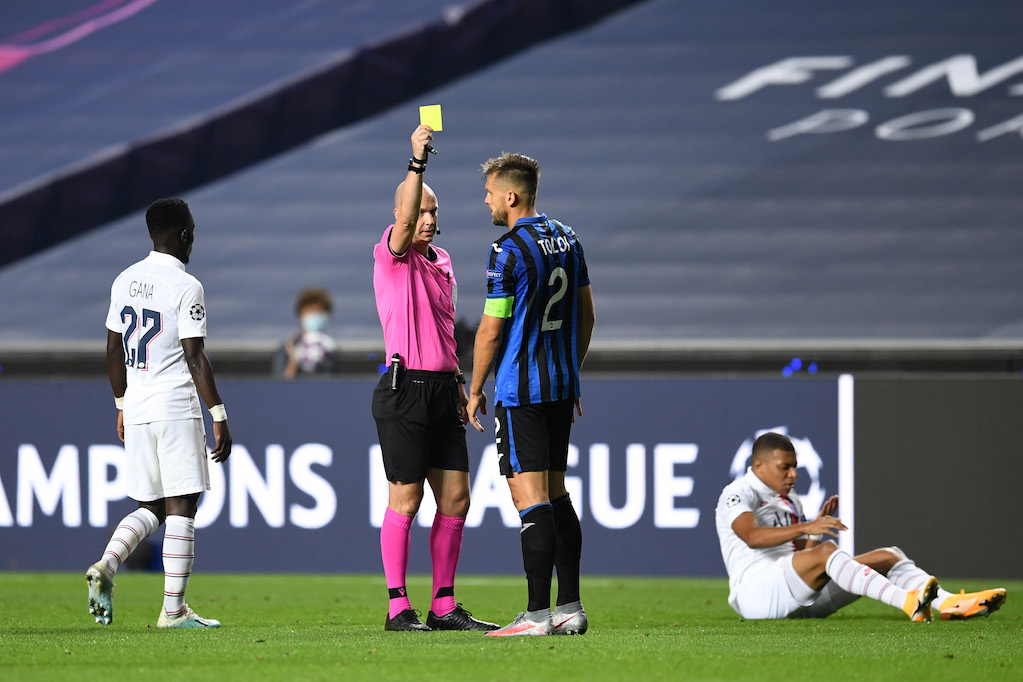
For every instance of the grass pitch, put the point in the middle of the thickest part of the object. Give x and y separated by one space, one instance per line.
330 627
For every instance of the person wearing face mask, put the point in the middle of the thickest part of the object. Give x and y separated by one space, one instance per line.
310 350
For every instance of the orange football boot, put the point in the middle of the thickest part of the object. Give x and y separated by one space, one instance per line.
918 602
972 604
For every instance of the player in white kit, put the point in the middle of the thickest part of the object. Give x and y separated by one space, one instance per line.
156 358
779 568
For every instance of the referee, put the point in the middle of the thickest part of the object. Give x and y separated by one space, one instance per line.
536 326
419 404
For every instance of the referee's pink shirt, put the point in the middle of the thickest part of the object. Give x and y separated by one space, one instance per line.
416 302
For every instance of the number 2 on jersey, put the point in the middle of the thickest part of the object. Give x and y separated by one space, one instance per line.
560 277
152 322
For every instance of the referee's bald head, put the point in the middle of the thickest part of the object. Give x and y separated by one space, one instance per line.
427 190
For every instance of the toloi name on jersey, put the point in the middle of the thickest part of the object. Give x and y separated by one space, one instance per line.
140 289
553 245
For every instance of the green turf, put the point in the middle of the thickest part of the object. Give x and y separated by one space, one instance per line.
331 627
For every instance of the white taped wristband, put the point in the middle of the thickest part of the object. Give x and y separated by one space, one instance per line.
815 538
119 402
219 413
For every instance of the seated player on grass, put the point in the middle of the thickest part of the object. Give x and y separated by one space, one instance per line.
779 568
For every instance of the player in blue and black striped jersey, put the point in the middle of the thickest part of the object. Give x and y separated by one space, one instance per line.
535 331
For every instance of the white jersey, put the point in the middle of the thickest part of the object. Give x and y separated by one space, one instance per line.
153 305
750 494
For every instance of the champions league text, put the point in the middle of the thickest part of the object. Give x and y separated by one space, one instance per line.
82 483
305 478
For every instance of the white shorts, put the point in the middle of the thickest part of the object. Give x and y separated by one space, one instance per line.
166 459
772 590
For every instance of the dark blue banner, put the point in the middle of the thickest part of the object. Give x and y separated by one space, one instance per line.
304 489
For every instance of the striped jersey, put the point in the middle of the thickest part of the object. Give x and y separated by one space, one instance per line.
533 276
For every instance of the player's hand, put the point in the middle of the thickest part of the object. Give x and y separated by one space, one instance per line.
476 402
463 400
578 409
825 525
222 432
291 366
830 507
120 425
420 138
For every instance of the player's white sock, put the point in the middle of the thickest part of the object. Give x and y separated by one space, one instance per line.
132 529
852 576
178 557
907 575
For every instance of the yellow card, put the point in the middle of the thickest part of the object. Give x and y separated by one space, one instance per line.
430 116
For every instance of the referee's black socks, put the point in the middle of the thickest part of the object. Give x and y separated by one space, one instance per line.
569 549
539 542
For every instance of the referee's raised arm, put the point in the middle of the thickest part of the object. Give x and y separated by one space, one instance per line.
409 195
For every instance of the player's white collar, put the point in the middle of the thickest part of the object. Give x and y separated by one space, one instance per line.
759 486
165 259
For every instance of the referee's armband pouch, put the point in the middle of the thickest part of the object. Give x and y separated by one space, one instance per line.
395 372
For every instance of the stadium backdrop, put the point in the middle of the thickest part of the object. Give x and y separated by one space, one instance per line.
304 489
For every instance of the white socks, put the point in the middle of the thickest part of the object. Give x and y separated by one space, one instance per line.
852 576
909 576
178 557
132 529
178 552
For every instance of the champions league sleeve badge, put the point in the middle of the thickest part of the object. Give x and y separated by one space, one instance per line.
197 311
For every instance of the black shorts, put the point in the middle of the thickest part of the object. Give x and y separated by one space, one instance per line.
534 437
420 425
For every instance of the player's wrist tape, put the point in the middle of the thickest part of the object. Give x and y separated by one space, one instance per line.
119 402
815 538
219 413
421 161
414 168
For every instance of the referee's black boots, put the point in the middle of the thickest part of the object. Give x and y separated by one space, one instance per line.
406 620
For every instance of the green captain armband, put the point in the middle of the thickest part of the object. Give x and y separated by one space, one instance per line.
499 307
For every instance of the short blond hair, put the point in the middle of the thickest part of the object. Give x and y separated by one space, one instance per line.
517 171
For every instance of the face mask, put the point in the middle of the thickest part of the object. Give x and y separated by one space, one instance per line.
314 322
